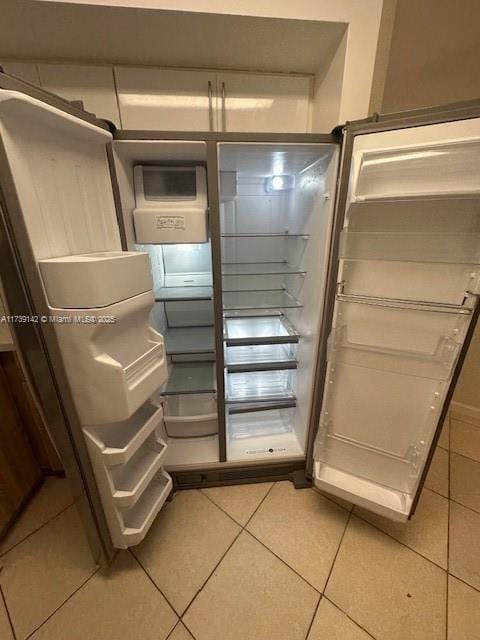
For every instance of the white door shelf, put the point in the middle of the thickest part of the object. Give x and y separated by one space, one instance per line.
403 340
130 480
419 171
137 520
191 415
453 248
268 329
119 441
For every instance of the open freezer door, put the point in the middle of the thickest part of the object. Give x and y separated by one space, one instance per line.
91 302
406 302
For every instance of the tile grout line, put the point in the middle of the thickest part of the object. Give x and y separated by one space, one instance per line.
63 603
467 584
460 504
242 529
314 615
4 553
462 455
132 553
448 529
10 621
374 526
350 617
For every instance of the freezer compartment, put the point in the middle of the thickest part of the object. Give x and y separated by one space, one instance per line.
190 377
265 299
438 283
268 329
137 520
378 425
119 441
260 357
411 247
191 416
128 481
408 341
418 171
257 386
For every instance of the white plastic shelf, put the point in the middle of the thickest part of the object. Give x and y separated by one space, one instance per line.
452 248
131 479
271 329
420 171
258 386
119 441
138 519
191 416
268 299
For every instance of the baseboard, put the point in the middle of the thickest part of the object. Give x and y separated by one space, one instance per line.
459 410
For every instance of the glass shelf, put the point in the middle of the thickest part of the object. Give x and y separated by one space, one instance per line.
273 329
181 340
260 357
259 269
257 386
453 248
190 377
179 294
268 299
266 235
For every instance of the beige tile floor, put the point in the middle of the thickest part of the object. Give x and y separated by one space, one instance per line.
258 562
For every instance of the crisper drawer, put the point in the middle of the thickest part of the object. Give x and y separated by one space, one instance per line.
408 341
354 435
191 416
416 171
260 385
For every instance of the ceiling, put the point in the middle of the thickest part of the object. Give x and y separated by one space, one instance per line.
78 32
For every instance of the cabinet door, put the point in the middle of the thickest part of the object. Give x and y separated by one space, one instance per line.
406 304
166 99
94 86
24 70
265 103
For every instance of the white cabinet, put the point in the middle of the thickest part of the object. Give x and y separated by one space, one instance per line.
93 85
166 99
24 70
264 103
173 99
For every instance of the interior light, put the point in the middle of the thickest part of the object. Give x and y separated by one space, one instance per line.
282 182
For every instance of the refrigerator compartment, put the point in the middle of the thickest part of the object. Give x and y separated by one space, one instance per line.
138 519
454 214
267 329
190 377
128 481
101 279
119 441
178 294
260 357
354 435
256 386
438 283
113 367
419 171
409 341
268 299
260 269
411 247
183 340
191 416
260 424
386 502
